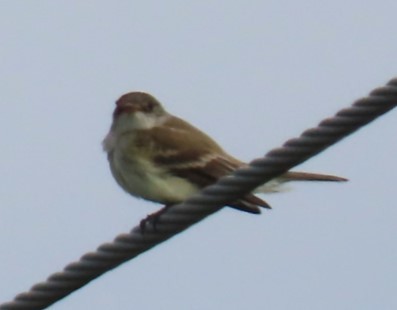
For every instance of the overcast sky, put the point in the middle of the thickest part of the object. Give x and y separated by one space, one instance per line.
250 73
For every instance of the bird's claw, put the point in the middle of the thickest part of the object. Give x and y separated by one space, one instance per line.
152 219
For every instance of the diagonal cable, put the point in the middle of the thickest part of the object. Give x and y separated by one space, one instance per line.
211 199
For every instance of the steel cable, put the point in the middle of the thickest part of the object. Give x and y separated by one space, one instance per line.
209 200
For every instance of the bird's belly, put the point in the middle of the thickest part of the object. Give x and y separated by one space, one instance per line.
143 179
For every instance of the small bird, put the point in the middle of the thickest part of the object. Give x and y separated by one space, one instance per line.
159 157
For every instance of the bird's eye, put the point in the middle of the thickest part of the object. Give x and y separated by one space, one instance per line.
149 106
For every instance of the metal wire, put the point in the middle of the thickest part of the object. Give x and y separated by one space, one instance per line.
208 201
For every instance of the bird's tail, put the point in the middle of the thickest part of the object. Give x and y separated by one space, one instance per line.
307 176
251 203
278 184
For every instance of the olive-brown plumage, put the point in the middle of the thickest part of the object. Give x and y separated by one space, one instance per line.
159 157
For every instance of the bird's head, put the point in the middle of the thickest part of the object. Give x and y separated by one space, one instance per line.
138 110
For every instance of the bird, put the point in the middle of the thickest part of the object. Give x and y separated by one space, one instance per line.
162 158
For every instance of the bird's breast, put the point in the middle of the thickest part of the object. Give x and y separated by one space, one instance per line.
138 175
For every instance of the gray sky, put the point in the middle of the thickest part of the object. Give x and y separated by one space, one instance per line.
250 73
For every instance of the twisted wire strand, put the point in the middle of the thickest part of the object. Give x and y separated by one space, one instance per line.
208 201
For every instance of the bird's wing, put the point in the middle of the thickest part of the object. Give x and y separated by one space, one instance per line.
191 154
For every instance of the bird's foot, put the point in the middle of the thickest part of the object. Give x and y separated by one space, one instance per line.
153 219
